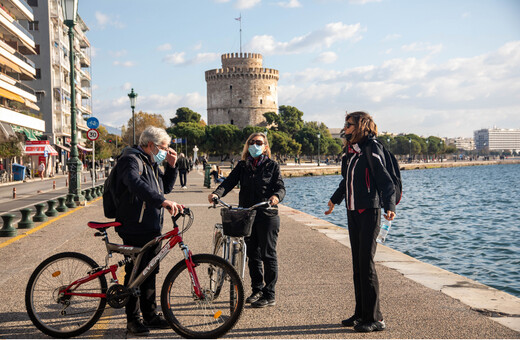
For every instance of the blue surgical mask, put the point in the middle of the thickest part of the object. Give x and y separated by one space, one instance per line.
160 156
255 150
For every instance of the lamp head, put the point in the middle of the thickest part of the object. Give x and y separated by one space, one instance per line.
133 97
70 11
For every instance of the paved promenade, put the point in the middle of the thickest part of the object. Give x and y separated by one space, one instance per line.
314 291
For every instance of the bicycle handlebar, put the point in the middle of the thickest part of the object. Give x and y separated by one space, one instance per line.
186 212
222 203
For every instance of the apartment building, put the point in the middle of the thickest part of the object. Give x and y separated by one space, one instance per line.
497 139
52 83
20 117
461 143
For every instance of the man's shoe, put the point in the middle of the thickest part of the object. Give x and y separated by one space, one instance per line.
370 326
263 302
352 321
136 327
158 322
254 297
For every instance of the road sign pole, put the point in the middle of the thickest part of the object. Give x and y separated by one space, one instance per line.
94 163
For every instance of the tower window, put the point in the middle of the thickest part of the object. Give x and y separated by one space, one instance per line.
232 122
260 101
231 87
240 101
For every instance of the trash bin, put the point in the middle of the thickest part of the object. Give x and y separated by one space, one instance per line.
18 172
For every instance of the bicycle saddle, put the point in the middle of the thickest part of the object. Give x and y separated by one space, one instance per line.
99 225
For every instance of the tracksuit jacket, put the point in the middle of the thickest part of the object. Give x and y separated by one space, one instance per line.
364 191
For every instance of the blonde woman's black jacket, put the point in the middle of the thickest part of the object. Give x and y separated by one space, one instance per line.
367 188
256 185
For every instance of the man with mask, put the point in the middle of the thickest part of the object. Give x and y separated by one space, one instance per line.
141 186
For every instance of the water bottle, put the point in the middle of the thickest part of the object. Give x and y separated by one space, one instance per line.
383 232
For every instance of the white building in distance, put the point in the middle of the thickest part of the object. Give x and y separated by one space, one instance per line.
497 139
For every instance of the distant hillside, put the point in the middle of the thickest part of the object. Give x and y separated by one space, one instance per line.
112 130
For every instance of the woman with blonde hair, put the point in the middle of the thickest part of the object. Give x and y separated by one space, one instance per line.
365 191
260 180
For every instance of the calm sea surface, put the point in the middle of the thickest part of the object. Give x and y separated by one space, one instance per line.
465 220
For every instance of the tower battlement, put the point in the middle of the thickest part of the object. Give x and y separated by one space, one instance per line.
241 91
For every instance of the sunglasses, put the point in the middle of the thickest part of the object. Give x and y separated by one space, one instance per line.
257 142
348 124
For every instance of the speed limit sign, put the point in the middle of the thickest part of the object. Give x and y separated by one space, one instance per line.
92 134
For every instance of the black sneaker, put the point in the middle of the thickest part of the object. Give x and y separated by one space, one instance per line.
136 327
263 302
254 297
352 321
370 326
158 322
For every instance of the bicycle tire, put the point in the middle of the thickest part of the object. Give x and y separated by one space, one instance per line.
53 317
212 317
218 250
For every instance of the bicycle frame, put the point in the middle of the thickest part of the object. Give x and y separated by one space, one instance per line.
136 280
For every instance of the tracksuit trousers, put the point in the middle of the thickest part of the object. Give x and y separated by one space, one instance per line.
363 230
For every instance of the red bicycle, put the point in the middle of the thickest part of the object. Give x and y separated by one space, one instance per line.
67 293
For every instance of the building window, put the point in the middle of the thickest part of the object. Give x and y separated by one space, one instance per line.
260 101
240 101
231 87
38 73
39 95
32 3
232 122
33 26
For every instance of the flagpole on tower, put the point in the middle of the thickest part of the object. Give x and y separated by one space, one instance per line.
240 20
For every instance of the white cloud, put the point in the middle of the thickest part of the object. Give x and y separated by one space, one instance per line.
126 86
411 91
422 46
245 4
326 58
466 15
117 54
392 37
362 2
123 63
325 37
290 4
179 58
164 47
105 20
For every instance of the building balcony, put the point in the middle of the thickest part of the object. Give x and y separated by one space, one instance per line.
18 89
12 29
16 61
20 9
11 116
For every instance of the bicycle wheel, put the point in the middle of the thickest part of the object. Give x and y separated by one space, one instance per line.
210 316
219 249
64 316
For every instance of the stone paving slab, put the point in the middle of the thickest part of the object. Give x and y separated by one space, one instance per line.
314 291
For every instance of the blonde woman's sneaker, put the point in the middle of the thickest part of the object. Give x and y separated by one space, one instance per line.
263 302
254 297
352 321
370 326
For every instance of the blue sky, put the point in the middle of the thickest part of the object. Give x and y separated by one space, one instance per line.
442 68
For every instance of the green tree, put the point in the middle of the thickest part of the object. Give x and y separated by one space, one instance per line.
10 149
289 119
194 132
282 144
185 115
222 140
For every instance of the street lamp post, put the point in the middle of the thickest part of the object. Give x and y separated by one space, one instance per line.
427 151
319 148
70 11
410 141
133 97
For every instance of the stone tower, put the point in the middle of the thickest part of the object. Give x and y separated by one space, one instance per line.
241 91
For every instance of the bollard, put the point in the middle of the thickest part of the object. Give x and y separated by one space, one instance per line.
84 179
66 182
51 211
53 184
100 190
25 222
8 229
207 176
61 204
14 193
39 216
70 201
87 195
93 192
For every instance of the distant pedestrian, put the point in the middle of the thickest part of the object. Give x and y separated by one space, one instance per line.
204 162
41 170
184 168
365 191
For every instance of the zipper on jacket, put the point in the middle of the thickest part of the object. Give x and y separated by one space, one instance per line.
367 179
142 212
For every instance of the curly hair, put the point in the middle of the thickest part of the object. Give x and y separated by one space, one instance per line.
365 126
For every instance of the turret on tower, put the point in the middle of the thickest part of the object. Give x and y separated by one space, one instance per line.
241 91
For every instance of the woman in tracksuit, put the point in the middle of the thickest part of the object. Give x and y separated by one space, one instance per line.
260 180
365 190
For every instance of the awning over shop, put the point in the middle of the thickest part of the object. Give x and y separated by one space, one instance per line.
63 147
12 96
82 148
31 105
10 64
38 148
32 135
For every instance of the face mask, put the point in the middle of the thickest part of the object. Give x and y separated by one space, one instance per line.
255 150
160 156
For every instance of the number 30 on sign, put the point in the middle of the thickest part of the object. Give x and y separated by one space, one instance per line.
92 134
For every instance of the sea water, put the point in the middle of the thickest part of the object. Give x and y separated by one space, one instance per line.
465 220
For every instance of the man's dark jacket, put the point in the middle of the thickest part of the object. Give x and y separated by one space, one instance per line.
365 191
141 195
256 184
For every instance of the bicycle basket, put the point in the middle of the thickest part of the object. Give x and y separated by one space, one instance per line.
237 223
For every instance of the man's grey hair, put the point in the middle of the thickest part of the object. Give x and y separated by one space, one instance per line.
181 155
155 135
